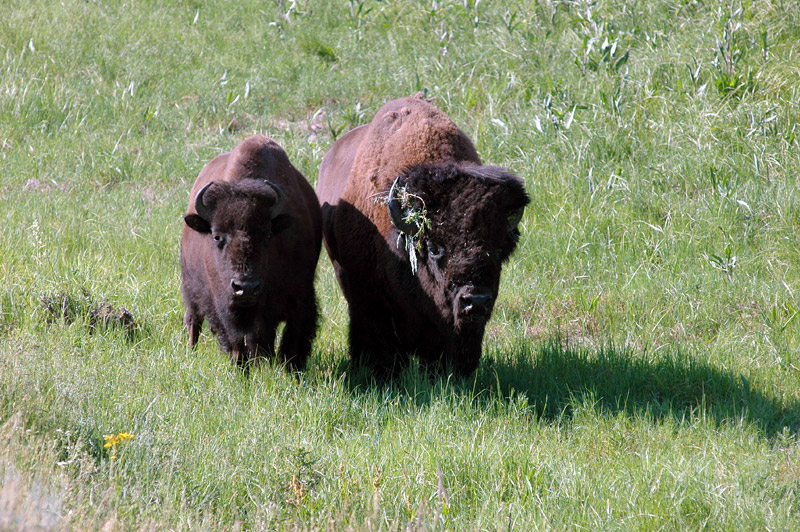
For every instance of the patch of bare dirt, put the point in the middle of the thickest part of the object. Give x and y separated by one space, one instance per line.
40 185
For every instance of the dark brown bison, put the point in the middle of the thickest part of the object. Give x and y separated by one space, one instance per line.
249 250
417 230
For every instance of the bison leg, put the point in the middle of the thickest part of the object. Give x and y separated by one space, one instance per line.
373 343
194 322
372 337
299 333
249 349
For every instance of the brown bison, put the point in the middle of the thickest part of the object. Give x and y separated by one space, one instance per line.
249 250
417 230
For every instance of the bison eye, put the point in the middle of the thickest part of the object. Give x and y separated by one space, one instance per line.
436 252
220 240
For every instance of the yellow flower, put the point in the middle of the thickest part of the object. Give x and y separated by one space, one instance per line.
112 440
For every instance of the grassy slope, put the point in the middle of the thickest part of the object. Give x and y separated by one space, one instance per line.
636 376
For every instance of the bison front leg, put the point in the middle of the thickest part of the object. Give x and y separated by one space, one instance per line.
372 337
299 333
374 344
194 323
249 349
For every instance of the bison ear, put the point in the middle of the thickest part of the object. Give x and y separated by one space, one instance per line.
281 222
514 218
194 221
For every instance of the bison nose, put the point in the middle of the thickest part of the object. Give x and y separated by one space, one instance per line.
474 303
246 289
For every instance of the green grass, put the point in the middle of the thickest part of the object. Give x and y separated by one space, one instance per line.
642 367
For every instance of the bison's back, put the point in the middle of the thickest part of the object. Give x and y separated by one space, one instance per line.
335 167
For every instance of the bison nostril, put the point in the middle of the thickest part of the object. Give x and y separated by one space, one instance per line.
246 288
471 303
481 301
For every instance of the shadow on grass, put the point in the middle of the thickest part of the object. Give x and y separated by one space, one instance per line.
555 379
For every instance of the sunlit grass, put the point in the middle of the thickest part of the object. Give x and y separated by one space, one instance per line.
641 369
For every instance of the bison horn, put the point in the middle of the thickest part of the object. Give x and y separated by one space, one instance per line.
280 199
202 211
396 212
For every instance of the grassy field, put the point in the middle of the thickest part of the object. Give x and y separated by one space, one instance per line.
642 367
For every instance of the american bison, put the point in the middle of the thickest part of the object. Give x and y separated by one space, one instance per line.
250 246
417 230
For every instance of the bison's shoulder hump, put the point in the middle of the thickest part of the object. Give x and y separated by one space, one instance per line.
257 157
407 132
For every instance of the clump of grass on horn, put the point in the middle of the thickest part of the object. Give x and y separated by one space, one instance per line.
409 214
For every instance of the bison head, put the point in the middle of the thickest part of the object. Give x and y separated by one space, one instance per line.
239 219
458 224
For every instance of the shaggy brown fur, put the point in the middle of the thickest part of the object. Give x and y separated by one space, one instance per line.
246 268
440 311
